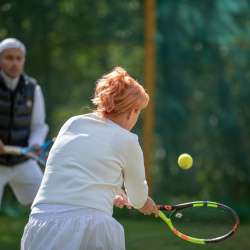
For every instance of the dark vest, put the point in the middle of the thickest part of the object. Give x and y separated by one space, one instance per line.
15 116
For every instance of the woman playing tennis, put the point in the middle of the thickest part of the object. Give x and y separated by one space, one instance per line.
93 156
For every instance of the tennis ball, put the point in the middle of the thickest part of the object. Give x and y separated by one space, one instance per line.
185 161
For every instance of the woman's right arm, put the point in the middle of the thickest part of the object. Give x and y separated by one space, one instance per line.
135 183
134 177
149 207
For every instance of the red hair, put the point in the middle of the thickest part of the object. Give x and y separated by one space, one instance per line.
117 93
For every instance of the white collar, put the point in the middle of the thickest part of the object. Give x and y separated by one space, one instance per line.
10 83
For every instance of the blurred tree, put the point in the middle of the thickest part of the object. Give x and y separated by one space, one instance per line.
203 98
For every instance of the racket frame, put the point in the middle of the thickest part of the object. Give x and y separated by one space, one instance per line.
197 204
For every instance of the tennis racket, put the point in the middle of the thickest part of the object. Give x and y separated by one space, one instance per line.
201 222
27 151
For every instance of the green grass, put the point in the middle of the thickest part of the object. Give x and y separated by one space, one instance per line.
144 233
11 230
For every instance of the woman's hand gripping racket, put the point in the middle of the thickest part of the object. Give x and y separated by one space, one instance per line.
201 222
29 151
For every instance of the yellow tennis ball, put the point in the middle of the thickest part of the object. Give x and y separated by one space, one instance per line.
185 161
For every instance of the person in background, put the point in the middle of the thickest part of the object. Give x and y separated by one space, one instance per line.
22 122
93 156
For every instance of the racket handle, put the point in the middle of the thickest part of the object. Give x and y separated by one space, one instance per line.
14 150
129 204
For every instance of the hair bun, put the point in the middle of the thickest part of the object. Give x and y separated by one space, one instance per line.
117 80
116 91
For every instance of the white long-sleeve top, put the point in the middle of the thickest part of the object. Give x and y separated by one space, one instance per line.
38 128
89 162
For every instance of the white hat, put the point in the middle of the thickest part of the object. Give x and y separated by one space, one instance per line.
12 43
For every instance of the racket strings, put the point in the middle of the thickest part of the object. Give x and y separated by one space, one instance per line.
203 222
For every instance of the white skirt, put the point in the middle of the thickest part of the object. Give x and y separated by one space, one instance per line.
84 228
